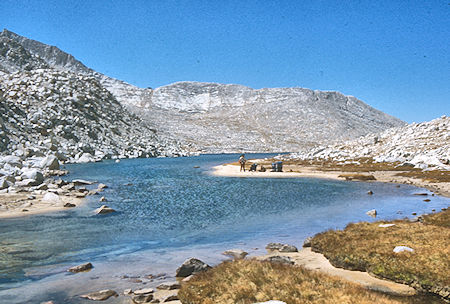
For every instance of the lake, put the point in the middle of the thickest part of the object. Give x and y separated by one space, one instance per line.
168 211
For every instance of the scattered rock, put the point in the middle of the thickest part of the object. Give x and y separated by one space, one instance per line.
51 198
101 295
80 268
127 291
69 205
281 247
102 186
399 249
280 259
144 291
191 266
104 210
386 225
187 279
370 192
81 182
170 297
236 254
372 213
169 286
142 296
102 199
50 162
307 242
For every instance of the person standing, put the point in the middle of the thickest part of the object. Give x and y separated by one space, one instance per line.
242 161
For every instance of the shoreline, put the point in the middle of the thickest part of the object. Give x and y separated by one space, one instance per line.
24 203
232 170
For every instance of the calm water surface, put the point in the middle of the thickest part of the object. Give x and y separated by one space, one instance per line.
168 211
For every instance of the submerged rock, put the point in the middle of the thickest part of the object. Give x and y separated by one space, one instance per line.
104 210
80 268
101 295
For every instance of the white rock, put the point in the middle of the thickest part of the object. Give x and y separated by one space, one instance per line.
51 198
399 249
372 213
50 162
386 225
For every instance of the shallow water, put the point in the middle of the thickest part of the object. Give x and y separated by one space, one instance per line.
168 211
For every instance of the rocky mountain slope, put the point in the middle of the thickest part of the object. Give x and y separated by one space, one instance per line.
425 146
54 103
73 114
217 117
237 118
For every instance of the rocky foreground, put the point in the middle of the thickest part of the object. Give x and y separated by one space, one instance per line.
424 146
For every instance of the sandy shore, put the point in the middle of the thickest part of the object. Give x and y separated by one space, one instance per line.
232 170
24 203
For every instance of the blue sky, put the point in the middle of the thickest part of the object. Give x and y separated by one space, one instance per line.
394 55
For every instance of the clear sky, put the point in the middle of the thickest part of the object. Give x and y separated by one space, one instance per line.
394 55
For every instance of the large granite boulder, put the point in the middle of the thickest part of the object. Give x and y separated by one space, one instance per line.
191 266
50 162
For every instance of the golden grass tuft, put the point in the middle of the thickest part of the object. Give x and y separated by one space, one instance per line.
367 247
251 281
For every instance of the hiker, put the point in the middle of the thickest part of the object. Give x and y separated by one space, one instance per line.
242 161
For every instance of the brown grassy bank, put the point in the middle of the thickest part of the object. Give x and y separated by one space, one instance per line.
250 281
368 247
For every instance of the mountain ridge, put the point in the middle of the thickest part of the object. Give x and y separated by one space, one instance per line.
223 117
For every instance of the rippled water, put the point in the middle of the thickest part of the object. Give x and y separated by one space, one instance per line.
169 210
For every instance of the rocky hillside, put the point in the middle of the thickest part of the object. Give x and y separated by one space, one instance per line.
46 110
236 118
217 117
424 146
49 101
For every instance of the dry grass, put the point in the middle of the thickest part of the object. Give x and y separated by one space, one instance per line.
438 219
250 281
361 165
434 176
367 247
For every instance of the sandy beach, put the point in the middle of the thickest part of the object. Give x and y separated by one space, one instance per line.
296 171
24 204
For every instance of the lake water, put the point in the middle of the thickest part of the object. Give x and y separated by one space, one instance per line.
169 211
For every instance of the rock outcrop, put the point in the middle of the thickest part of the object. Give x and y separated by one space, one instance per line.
424 146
